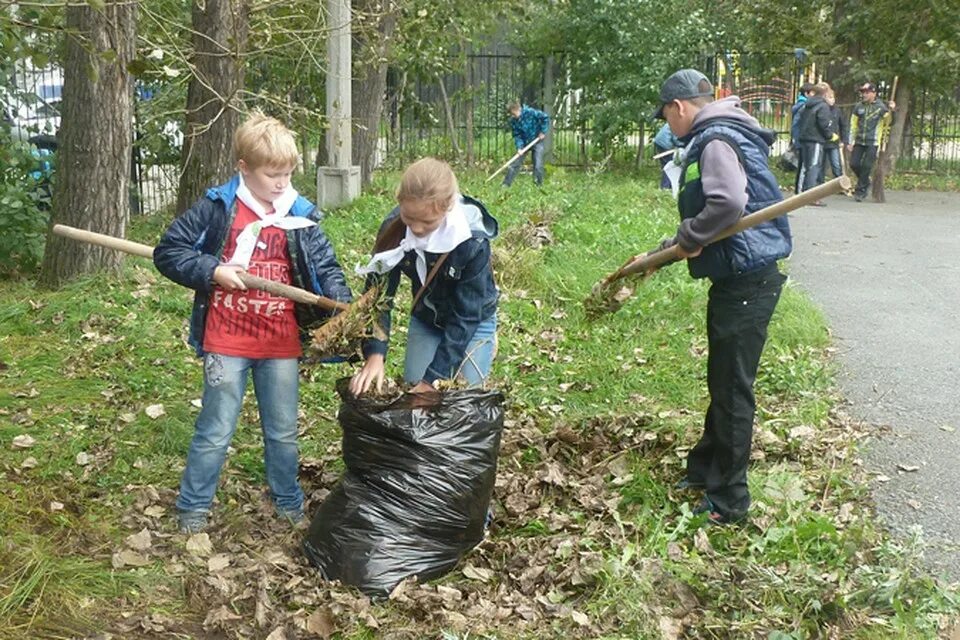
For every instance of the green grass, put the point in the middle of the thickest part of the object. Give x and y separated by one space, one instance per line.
81 364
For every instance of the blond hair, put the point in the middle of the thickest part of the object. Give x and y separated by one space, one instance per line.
821 89
431 180
427 179
262 141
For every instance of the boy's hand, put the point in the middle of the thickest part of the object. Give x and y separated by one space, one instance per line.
541 136
688 254
226 276
425 395
372 370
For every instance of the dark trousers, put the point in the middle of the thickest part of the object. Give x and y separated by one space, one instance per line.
738 312
537 154
812 157
862 159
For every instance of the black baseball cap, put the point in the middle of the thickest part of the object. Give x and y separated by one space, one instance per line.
867 86
682 85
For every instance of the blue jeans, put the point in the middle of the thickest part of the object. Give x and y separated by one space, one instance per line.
422 343
831 157
275 383
537 154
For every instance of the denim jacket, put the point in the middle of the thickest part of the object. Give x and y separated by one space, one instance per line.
461 296
191 248
531 123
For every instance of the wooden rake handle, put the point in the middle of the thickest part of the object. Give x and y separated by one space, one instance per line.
253 282
515 156
653 259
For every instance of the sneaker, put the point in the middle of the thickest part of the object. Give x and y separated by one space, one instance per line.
687 484
192 521
858 198
293 516
714 517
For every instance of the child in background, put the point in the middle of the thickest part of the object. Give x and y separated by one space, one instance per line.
256 223
440 239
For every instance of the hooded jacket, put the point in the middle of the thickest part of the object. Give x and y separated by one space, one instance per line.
816 121
528 125
461 296
725 175
192 247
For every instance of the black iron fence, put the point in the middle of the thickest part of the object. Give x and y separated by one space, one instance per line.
462 115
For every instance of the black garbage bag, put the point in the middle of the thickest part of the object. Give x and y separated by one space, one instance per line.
416 490
789 161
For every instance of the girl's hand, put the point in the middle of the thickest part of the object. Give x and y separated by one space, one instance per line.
372 370
227 278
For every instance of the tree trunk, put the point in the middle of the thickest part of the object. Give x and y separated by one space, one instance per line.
213 101
451 127
900 117
370 81
469 103
95 137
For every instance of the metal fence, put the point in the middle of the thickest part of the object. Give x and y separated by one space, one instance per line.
463 115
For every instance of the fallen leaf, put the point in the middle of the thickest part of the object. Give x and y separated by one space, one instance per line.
948 429
277 634
83 458
127 417
128 557
882 478
218 562
449 594
915 504
28 463
477 573
580 618
908 467
154 411
670 628
56 506
321 623
154 511
217 616
139 541
23 441
802 432
197 402
199 544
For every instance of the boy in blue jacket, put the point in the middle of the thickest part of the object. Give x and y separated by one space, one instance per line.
256 223
528 124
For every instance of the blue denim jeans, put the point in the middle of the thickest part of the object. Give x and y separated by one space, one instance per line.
537 154
275 383
422 343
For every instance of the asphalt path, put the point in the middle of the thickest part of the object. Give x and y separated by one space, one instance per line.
887 277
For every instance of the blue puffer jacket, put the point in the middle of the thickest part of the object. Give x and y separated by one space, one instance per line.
531 123
191 249
752 248
461 296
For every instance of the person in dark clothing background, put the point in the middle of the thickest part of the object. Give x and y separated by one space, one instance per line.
867 122
806 91
834 146
815 132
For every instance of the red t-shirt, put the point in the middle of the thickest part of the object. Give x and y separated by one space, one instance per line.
253 323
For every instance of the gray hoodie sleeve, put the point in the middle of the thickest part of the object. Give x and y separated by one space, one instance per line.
725 189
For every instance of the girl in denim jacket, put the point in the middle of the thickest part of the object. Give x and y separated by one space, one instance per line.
441 240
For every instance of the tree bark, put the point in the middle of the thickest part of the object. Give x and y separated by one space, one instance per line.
213 101
451 127
370 81
95 138
900 117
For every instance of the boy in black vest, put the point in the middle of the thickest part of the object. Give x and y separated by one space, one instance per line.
725 175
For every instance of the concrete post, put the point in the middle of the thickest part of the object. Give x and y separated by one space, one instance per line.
338 182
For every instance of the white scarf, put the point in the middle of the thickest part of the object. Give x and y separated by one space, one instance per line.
247 240
454 229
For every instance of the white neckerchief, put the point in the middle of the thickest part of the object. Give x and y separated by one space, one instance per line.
454 229
247 240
